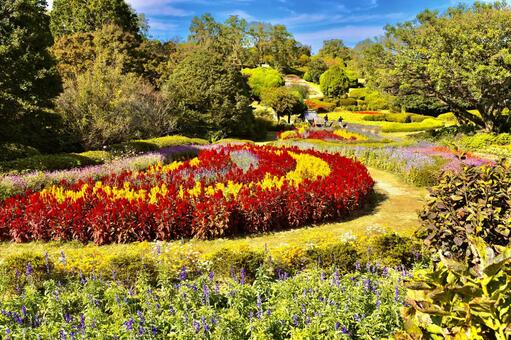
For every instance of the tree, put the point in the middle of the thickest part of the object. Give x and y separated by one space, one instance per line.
73 16
210 96
28 76
461 57
76 53
334 82
261 78
335 48
283 101
104 105
316 68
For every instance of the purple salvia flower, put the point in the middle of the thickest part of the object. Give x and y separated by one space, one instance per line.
29 269
182 274
295 320
196 325
242 276
47 262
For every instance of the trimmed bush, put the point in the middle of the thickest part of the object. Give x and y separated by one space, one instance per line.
345 102
261 78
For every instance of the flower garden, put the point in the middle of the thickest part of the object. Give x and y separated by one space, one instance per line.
224 191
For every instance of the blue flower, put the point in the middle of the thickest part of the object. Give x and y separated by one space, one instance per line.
182 274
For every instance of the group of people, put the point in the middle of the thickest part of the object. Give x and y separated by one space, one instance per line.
313 119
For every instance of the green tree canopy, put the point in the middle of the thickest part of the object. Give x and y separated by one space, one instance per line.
335 48
283 101
261 78
461 57
315 69
73 16
210 95
28 76
334 82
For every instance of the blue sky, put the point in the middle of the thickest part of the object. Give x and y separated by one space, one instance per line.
310 21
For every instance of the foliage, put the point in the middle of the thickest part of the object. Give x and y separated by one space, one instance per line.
210 96
104 106
345 102
335 48
283 101
457 300
73 16
48 162
77 53
315 69
334 82
214 194
461 58
262 78
472 203
28 78
11 151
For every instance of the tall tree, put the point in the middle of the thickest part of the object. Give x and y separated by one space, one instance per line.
335 48
28 76
73 16
461 57
210 96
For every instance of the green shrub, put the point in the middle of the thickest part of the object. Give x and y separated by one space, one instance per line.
48 162
127 268
358 93
474 203
12 151
334 82
462 300
393 250
342 257
262 78
345 102
225 261
97 156
427 124
105 106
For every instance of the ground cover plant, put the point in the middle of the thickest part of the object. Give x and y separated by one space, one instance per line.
224 191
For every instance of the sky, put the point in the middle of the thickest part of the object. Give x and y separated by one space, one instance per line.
310 21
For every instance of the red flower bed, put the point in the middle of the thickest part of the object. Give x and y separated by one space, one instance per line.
225 191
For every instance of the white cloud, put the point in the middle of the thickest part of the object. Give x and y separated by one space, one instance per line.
349 34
